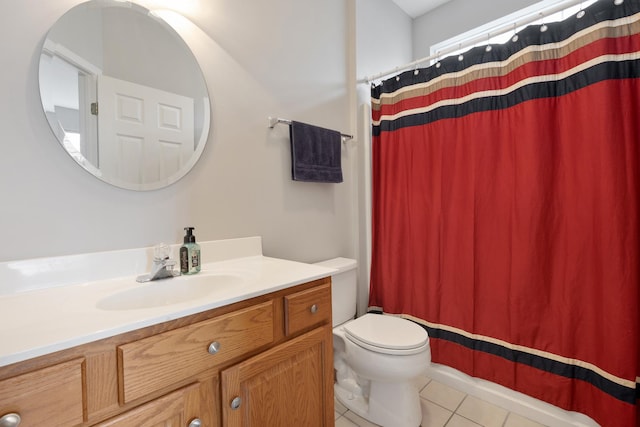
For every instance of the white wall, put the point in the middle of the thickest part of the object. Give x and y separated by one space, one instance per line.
81 32
130 55
384 36
456 17
286 58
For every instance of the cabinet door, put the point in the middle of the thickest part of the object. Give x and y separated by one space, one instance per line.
176 409
289 385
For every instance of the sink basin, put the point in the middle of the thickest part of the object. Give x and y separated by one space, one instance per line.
168 291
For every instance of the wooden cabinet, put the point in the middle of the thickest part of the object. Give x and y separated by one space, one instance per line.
274 352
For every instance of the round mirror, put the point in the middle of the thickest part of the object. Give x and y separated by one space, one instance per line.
124 94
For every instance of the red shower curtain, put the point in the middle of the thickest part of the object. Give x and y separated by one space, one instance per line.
505 210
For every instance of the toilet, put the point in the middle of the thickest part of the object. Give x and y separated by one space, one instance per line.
377 358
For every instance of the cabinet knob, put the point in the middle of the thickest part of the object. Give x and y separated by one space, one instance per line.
214 347
195 423
235 403
314 309
10 420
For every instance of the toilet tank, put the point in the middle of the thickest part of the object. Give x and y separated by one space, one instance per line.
344 284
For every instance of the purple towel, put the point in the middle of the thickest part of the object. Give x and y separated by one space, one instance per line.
316 153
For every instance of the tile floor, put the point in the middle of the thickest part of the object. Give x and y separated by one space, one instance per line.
444 406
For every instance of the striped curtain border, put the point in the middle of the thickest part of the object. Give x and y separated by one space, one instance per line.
622 389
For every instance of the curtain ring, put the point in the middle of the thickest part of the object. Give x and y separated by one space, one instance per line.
488 47
515 36
543 26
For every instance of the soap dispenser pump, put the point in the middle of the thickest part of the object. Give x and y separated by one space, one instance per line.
189 253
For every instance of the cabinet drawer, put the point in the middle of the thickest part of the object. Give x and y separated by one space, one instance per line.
308 308
48 397
159 361
175 409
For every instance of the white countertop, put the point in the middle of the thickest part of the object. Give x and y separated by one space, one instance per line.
48 319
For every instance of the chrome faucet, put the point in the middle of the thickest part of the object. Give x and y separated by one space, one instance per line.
162 267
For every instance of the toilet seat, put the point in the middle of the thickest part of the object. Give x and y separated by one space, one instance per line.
387 334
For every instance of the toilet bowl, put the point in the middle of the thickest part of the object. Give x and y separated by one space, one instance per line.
377 358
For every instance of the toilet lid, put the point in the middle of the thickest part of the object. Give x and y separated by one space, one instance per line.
386 334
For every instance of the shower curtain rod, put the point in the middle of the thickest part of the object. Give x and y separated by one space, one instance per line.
472 42
274 121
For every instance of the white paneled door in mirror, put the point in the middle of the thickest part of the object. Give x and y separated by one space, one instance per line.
152 132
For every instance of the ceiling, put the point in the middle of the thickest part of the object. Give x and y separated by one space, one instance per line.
415 8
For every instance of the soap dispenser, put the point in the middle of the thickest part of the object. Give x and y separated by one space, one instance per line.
189 253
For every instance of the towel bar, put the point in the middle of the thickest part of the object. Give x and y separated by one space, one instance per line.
274 121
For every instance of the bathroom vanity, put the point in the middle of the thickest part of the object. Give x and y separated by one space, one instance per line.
255 352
